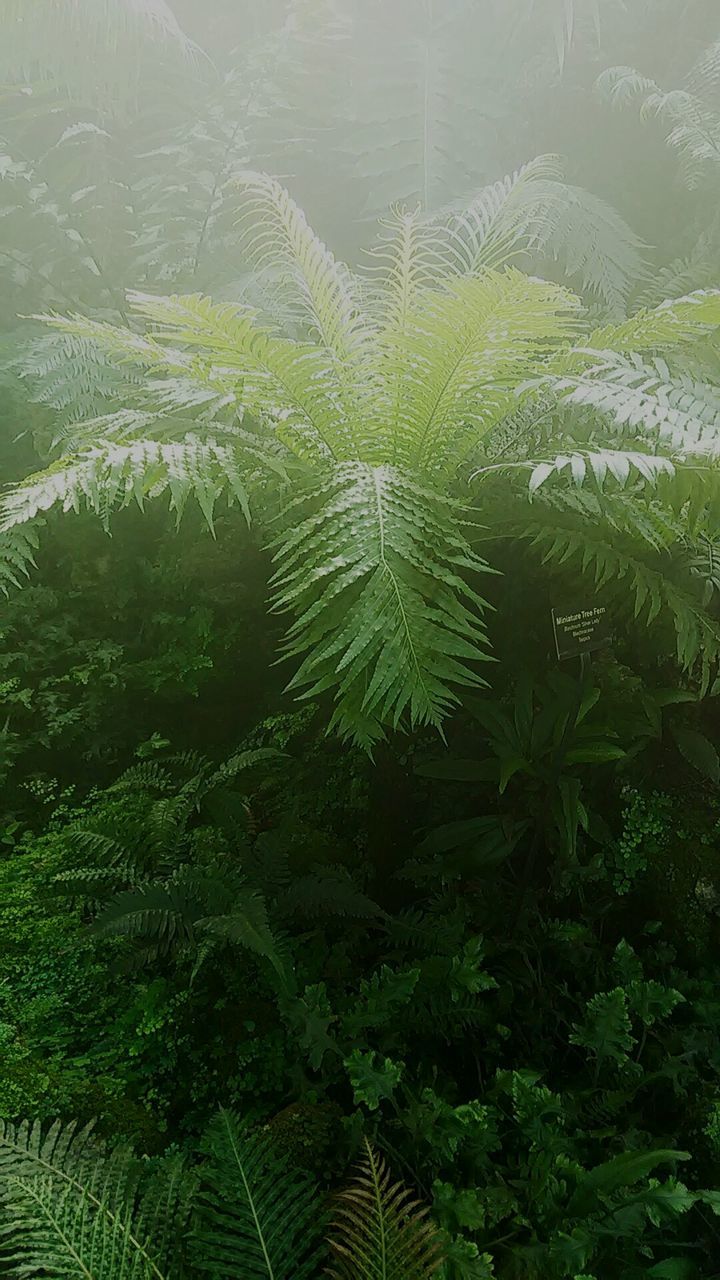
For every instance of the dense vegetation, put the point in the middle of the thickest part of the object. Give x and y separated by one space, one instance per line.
399 956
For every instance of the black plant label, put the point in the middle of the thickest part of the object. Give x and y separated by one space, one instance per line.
581 630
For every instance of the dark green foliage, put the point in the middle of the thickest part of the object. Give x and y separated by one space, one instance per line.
258 1217
482 969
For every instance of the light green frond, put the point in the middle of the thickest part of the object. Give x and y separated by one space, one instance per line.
110 476
383 615
600 465
275 236
258 1218
293 381
467 349
380 1231
643 398
697 270
679 322
411 256
534 213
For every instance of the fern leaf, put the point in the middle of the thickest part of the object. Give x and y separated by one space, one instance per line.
383 615
17 555
275 233
642 396
68 1210
466 349
380 1232
534 213
111 475
247 925
601 464
259 1219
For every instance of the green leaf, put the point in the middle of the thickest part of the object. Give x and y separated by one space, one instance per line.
698 752
673 1269
606 1027
258 1217
373 1078
628 1168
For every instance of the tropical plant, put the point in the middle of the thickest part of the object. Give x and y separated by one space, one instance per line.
258 1217
70 1209
380 1230
405 385
69 1206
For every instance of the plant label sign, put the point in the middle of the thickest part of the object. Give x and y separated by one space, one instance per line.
579 631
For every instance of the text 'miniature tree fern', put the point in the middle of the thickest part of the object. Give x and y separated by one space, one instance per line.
397 410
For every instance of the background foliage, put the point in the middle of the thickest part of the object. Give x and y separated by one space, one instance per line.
235 943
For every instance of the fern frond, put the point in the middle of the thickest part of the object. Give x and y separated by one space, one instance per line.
599 464
504 219
68 1210
246 925
275 234
71 375
294 381
674 324
693 125
383 615
259 1219
161 916
110 476
380 1231
465 350
411 255
642 396
623 86
534 212
17 555
696 271
327 891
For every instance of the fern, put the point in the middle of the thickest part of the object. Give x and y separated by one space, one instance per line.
113 475
17 555
533 213
258 1218
70 1210
688 113
380 1232
381 607
386 392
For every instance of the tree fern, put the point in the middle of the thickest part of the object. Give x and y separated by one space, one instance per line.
380 402
379 1231
374 593
258 1218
